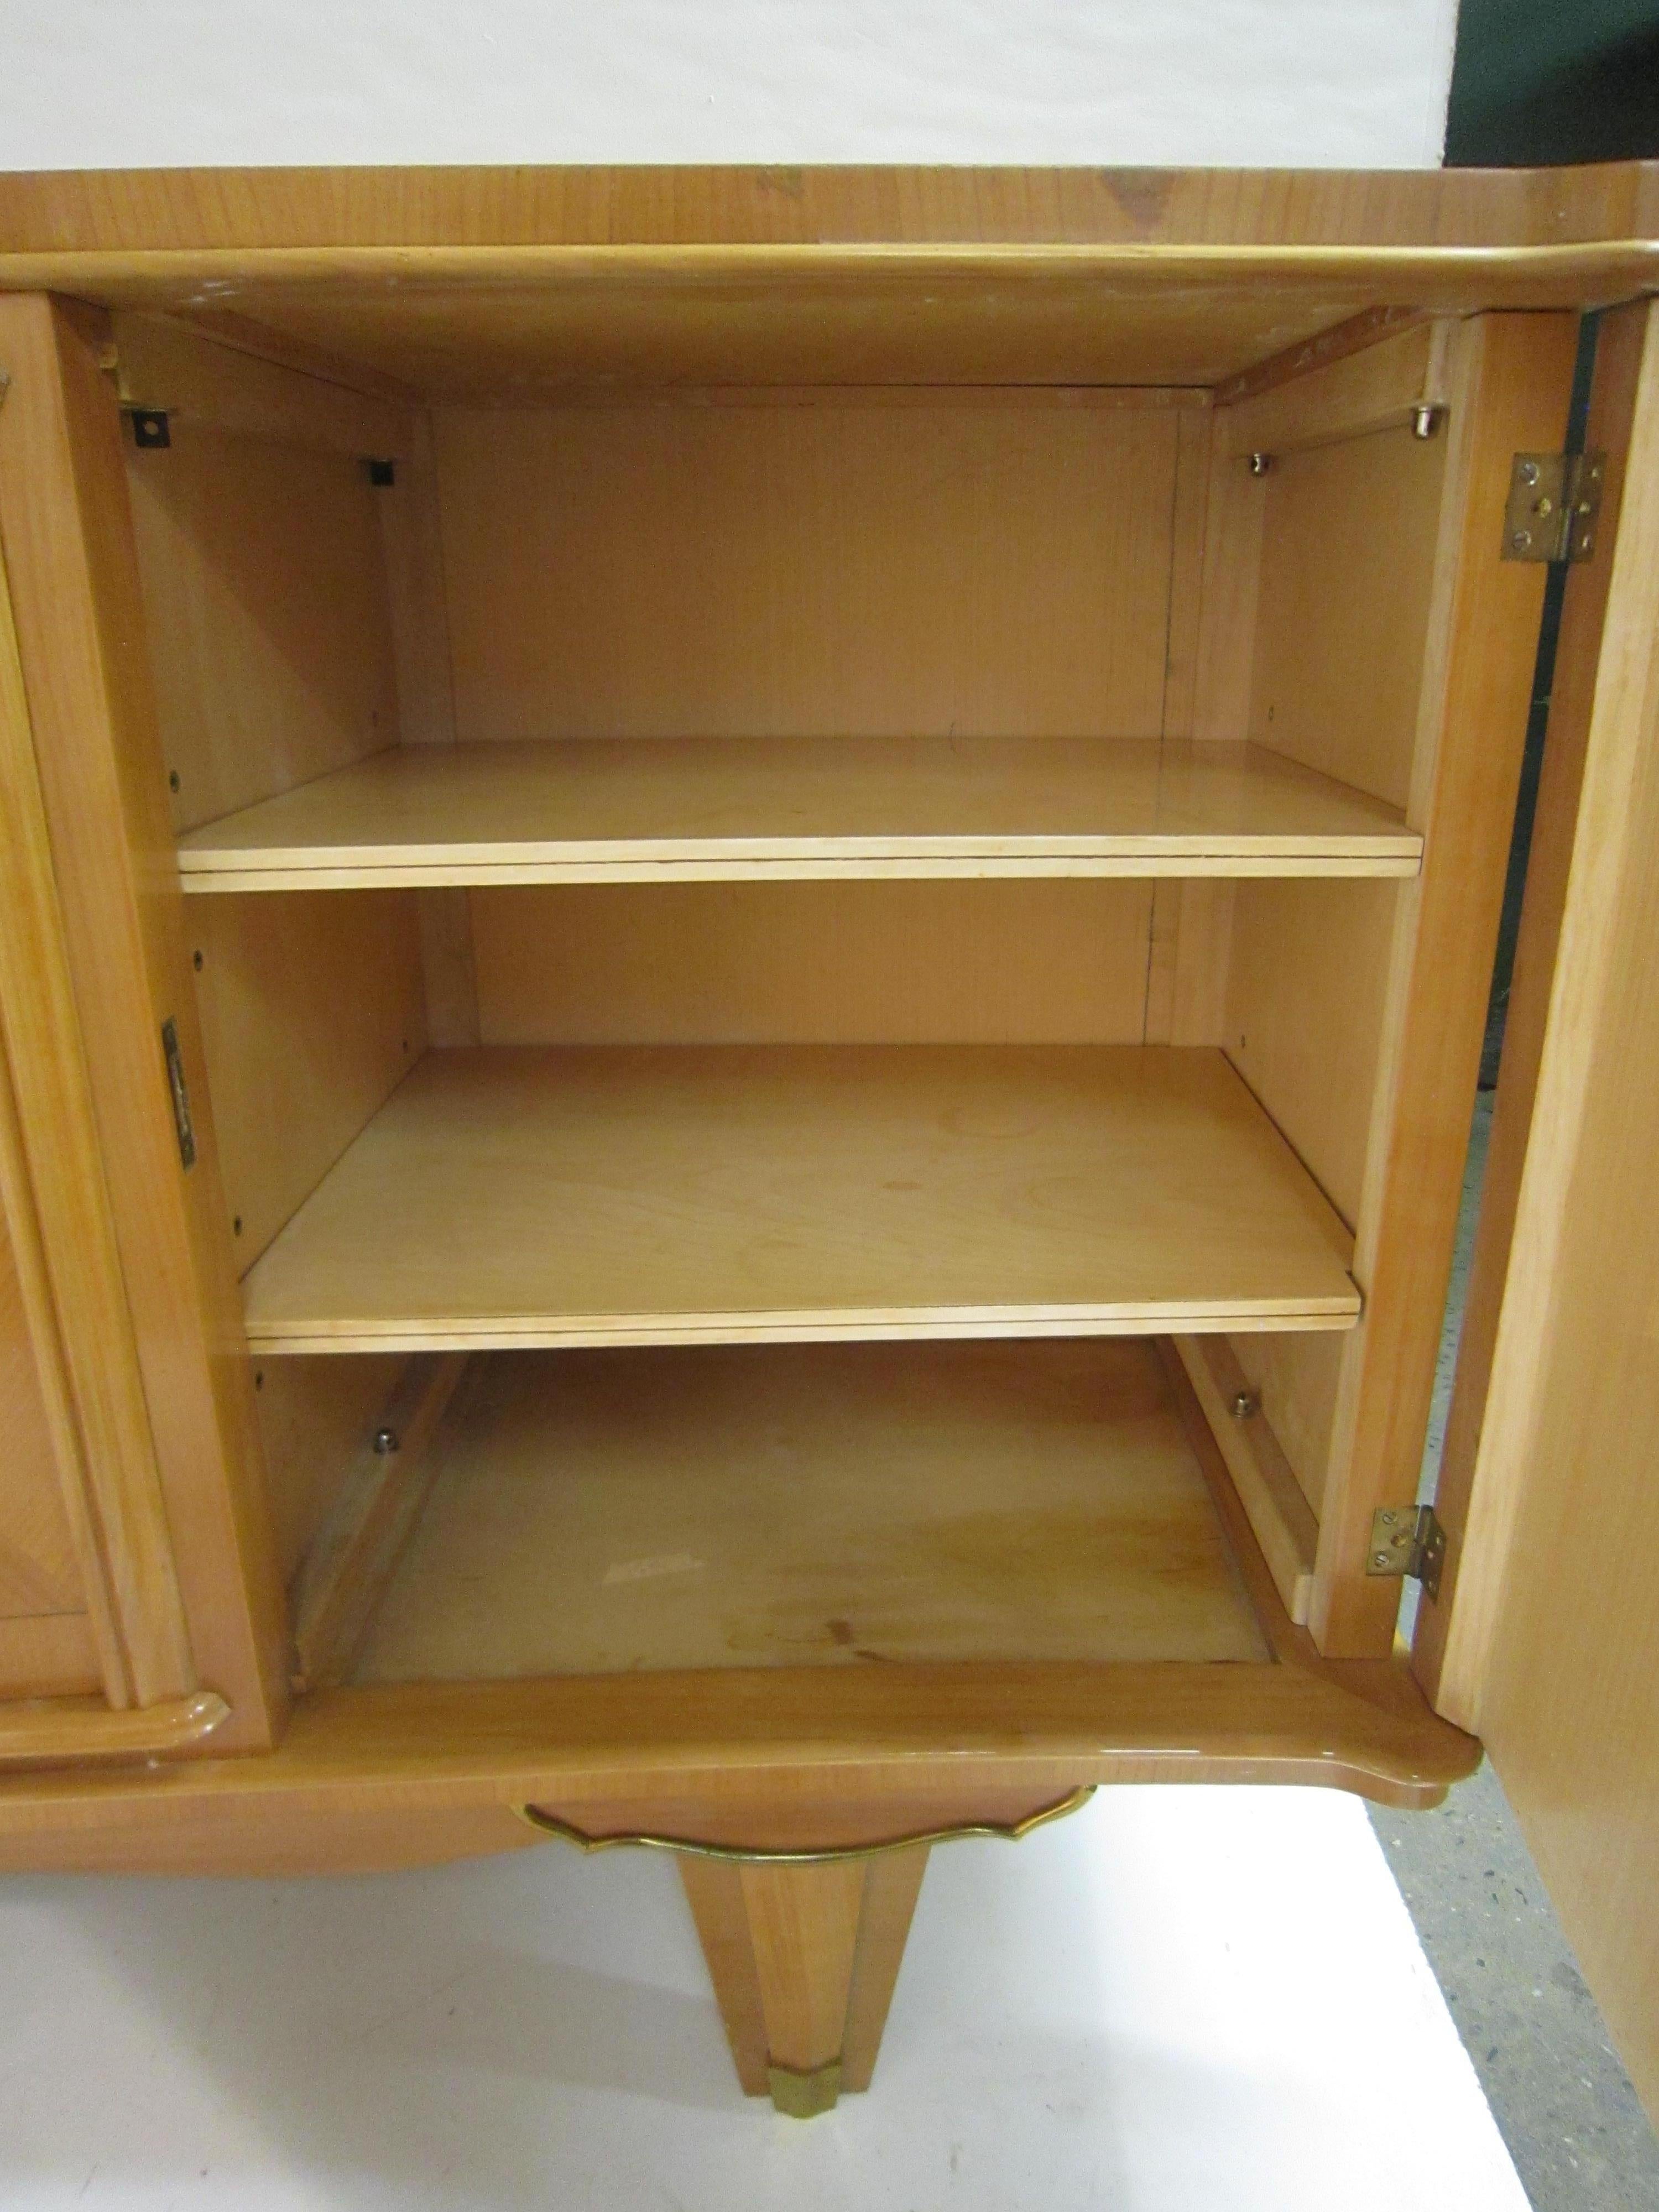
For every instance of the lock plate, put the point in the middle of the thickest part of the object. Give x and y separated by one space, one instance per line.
179 1093
1553 506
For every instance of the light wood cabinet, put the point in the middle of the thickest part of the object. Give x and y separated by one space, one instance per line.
742 961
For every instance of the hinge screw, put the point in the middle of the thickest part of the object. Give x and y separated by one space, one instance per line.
1529 473
386 1440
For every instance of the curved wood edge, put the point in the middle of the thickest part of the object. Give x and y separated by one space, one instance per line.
157 209
1457 278
1361 1725
49 1730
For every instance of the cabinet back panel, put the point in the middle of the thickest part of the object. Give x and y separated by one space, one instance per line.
1039 962
264 595
312 1011
874 564
1347 565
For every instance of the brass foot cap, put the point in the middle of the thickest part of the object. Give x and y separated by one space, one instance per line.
803 2095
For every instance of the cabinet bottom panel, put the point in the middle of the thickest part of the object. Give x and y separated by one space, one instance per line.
604 1512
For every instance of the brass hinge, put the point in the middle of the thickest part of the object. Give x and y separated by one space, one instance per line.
1553 506
1407 1540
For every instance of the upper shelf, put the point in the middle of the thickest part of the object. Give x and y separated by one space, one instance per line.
664 809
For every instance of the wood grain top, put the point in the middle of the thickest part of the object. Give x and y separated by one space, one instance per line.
158 211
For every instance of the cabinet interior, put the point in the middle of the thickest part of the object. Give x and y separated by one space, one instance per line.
834 942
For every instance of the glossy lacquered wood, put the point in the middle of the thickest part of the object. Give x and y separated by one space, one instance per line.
838 567
656 1195
51 1731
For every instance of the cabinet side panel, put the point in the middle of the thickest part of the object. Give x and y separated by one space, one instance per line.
1307 991
312 1012
265 602
1307 998
1509 377
316 1416
1347 565
811 564
1296 1378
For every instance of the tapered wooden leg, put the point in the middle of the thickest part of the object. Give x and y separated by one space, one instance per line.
716 1895
804 1960
891 1886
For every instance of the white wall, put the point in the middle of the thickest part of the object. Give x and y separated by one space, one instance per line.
1335 83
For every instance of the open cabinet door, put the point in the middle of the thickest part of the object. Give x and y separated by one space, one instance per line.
1545 1640
126 1328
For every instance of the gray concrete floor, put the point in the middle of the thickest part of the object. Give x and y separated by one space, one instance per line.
1564 2105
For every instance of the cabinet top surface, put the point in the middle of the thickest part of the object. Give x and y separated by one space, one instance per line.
273 209
430 284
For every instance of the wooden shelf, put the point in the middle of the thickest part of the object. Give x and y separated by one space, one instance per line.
662 809
598 1513
659 1194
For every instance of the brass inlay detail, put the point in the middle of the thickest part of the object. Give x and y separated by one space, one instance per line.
548 1824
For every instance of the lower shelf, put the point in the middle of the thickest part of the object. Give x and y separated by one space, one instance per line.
606 1512
656 1194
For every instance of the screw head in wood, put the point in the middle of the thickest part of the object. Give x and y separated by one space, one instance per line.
386 1440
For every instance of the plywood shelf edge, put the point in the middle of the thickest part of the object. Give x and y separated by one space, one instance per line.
653 809
569 1195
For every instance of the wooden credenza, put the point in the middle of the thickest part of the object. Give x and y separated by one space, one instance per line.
745 926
